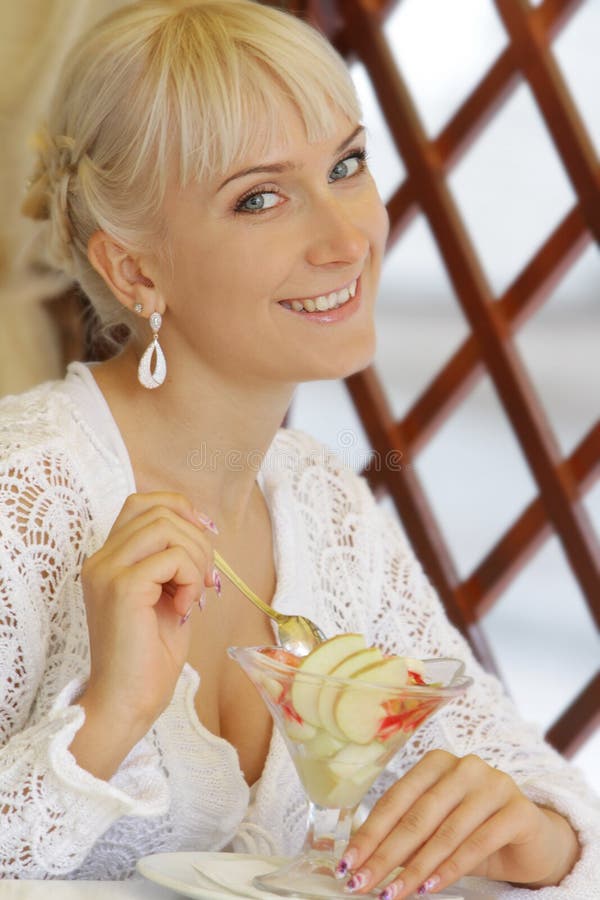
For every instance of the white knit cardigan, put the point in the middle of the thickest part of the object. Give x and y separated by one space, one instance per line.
340 559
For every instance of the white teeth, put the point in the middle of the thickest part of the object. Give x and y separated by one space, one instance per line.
324 301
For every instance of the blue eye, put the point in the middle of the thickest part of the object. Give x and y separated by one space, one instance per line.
257 202
349 166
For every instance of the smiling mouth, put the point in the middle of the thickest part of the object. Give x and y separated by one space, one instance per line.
324 301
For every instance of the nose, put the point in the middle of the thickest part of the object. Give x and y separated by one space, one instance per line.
336 238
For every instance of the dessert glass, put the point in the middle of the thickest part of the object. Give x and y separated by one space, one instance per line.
339 757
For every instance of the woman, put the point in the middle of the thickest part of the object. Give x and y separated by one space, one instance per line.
203 171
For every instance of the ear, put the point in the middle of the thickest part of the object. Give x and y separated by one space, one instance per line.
124 274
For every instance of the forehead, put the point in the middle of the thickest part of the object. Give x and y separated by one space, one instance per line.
289 139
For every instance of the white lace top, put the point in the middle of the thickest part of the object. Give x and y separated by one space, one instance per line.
64 475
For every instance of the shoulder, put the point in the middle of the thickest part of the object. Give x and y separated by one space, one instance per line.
43 461
311 465
39 417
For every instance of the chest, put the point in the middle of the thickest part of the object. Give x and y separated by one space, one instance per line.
227 703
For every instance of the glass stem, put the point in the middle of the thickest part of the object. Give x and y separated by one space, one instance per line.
328 832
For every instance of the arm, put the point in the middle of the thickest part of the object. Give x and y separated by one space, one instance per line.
70 763
547 830
53 811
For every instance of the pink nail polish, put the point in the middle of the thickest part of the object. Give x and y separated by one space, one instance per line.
345 864
184 619
429 885
360 880
202 600
391 891
217 582
206 521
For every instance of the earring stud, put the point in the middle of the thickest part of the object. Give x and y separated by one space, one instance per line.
138 308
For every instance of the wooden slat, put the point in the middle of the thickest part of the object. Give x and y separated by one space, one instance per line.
417 516
522 540
521 299
579 722
556 106
510 378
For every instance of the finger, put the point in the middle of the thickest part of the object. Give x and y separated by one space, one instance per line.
468 777
426 873
453 832
139 503
160 534
392 806
143 584
195 529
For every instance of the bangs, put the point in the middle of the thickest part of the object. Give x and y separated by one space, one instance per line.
226 86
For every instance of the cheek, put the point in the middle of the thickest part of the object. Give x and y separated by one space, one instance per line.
378 222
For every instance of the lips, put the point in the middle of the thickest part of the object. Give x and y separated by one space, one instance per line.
327 316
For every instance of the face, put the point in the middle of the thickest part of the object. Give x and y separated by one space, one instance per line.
298 228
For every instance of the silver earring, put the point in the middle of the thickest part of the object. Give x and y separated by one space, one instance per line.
138 308
147 376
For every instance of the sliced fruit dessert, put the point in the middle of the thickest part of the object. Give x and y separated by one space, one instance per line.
330 692
358 709
324 717
320 661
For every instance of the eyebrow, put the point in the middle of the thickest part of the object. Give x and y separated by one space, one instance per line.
285 166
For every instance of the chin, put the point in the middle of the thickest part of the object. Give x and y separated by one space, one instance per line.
342 367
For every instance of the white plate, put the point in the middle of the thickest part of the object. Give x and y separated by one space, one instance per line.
176 871
219 871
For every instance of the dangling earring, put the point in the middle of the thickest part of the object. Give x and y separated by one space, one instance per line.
148 377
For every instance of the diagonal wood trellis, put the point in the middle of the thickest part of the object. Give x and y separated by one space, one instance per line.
355 28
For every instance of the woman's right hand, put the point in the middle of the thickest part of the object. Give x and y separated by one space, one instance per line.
139 588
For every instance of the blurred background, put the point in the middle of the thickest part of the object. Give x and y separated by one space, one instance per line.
510 190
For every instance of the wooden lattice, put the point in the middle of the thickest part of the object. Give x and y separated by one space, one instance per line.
355 28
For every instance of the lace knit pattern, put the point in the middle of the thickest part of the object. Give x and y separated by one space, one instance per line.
337 554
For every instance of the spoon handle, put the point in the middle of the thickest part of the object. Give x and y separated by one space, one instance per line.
226 569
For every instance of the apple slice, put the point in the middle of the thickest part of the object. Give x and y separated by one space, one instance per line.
329 692
353 757
324 658
271 683
323 745
358 709
300 732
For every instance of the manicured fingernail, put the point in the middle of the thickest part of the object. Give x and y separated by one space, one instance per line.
345 864
202 600
391 891
184 619
217 582
206 521
358 881
429 885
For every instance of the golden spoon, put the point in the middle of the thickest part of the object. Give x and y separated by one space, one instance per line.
294 633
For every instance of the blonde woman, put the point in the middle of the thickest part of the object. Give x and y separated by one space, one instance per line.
203 173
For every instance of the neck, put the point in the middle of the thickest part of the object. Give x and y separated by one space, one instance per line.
199 433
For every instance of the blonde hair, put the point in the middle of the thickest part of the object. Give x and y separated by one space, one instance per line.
160 90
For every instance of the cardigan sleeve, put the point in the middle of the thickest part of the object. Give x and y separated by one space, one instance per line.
52 811
408 617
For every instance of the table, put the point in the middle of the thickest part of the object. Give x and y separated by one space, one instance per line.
134 889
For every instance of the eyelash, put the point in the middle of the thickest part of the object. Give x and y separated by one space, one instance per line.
360 154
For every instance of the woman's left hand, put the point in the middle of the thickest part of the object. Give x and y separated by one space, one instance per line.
452 816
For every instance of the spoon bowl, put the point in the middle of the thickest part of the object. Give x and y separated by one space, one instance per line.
297 634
